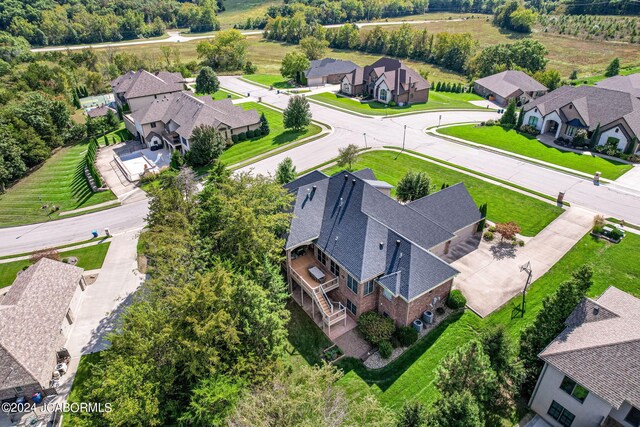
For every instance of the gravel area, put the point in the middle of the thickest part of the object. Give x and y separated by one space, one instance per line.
375 361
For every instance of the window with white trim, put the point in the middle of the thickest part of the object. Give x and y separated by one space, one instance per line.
533 121
388 294
334 267
571 130
560 414
574 389
322 257
383 94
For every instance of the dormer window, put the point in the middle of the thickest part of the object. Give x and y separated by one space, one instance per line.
570 107
617 130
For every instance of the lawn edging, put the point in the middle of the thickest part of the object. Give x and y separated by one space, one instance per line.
562 169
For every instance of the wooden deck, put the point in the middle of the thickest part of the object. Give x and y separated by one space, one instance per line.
301 266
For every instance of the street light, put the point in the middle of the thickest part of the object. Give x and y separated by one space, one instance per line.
365 139
404 136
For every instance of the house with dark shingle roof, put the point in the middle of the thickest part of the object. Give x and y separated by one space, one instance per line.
566 110
351 248
386 80
327 71
36 315
591 373
629 84
507 85
170 119
100 111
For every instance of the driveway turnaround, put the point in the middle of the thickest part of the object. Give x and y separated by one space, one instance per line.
492 275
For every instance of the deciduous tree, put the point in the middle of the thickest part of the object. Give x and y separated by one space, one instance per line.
314 47
207 81
507 230
413 186
293 65
206 145
286 171
297 115
347 156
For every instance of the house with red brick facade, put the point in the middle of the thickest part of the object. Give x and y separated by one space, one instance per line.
352 248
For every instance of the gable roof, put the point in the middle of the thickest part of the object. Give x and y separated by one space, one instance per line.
594 104
629 84
188 112
100 111
136 84
329 66
509 82
397 76
372 235
437 207
31 314
600 346
304 180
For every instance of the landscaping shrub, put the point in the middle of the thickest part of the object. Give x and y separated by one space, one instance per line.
490 123
440 311
492 229
488 236
521 243
456 300
242 136
406 335
257 133
392 104
375 328
528 129
249 134
234 138
616 234
385 349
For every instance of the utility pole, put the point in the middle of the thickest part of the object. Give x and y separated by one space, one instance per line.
527 268
365 140
439 120
404 136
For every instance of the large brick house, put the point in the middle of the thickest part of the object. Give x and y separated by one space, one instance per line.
591 373
36 317
352 248
386 80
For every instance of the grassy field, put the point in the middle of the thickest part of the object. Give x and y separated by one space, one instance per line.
498 137
275 80
278 136
411 376
220 94
590 80
59 182
89 258
503 204
437 101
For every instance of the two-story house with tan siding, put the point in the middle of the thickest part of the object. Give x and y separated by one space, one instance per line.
351 248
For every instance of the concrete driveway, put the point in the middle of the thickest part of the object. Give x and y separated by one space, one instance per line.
492 275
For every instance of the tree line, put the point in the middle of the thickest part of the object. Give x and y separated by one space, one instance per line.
49 22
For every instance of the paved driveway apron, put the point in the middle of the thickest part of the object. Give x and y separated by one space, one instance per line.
491 275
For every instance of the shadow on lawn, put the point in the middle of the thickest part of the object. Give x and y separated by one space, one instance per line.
287 136
80 188
385 377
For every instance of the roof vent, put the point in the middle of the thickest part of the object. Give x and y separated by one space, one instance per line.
341 202
381 245
346 177
353 182
397 242
596 310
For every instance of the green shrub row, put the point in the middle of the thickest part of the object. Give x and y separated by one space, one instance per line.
90 159
243 136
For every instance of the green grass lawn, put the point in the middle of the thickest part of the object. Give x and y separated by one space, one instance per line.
591 80
437 101
278 136
411 376
89 258
306 339
498 137
275 80
79 390
59 182
220 94
503 204
117 136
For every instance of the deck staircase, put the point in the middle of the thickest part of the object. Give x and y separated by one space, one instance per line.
332 311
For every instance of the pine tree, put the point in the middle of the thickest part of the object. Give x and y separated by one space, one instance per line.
264 125
595 136
286 171
297 115
614 68
509 119
520 118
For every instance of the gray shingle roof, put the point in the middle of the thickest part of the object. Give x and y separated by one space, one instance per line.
629 84
100 111
304 180
509 82
360 227
31 314
594 104
329 66
397 75
436 207
188 111
599 350
136 84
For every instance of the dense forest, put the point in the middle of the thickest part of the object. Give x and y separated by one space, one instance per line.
54 22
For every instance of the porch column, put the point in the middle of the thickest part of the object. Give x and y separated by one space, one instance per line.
313 309
290 282
301 297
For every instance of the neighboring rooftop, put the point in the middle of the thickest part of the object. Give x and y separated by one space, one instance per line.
329 66
600 346
100 111
398 76
371 234
595 105
188 111
509 82
31 314
135 84
629 84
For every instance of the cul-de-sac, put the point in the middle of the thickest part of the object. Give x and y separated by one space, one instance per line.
345 213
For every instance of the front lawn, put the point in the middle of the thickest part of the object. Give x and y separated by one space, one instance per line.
89 258
119 135
60 181
219 94
278 136
411 376
503 204
437 101
525 145
275 80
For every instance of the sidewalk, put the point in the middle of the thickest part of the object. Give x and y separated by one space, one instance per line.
491 275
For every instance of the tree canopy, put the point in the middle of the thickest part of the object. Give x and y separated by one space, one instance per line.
413 186
297 115
206 144
207 81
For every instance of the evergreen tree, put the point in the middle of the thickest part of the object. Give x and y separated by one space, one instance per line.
297 115
456 410
509 119
264 125
76 100
520 118
595 137
206 145
286 171
207 81
112 120
413 415
614 68
413 186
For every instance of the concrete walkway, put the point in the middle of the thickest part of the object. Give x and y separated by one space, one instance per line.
491 276
102 303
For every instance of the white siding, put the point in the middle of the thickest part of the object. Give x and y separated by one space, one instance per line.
589 413
620 414
380 86
346 87
612 133
533 113
553 116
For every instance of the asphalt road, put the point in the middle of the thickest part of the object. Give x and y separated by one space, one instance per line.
610 200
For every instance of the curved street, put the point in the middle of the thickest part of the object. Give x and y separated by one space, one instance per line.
610 200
